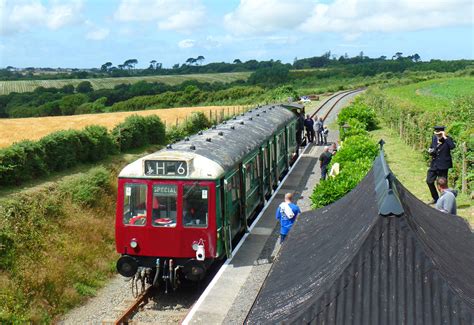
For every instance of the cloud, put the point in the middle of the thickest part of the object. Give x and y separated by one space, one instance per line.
25 15
265 16
181 16
95 32
186 43
353 17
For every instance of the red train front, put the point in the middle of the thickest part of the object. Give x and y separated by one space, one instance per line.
165 220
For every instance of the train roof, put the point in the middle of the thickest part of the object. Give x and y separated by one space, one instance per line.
210 153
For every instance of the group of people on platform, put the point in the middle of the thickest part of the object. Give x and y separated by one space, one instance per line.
315 129
441 162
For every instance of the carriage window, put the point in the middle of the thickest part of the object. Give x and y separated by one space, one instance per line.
195 206
164 205
134 204
235 188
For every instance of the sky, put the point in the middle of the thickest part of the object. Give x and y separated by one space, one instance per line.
88 33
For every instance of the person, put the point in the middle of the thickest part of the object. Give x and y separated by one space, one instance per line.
299 128
318 127
324 160
286 213
333 148
191 217
309 125
441 161
447 199
325 134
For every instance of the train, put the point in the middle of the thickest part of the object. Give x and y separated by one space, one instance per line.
184 207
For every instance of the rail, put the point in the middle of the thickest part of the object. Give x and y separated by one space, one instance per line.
141 301
344 94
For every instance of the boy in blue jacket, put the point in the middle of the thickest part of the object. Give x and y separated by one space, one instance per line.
286 213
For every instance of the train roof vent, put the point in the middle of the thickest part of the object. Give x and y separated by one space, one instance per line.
264 110
234 118
224 122
186 139
220 133
200 132
243 114
169 146
208 139
232 127
258 114
242 122
192 147
250 118
214 127
250 111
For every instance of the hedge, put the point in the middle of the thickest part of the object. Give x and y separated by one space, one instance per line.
355 156
27 160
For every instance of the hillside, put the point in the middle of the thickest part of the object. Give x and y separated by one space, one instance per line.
7 87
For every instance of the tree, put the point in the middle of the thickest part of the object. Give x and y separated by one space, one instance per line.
237 61
106 66
397 56
130 63
191 61
199 59
152 64
67 89
68 104
176 66
416 57
84 87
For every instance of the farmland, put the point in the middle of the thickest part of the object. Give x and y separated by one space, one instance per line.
14 130
435 94
7 87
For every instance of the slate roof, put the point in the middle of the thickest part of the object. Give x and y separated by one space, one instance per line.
376 256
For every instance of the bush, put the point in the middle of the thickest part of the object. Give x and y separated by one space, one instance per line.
355 157
22 161
87 190
137 131
360 112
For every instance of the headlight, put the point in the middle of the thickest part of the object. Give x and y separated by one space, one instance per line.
133 243
195 246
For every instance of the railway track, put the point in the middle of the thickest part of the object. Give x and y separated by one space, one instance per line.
344 94
151 293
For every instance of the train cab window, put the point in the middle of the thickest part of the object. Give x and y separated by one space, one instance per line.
195 206
134 204
164 208
282 143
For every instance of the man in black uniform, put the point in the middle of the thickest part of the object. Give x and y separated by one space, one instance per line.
309 125
299 128
441 161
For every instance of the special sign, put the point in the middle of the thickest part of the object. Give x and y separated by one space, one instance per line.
166 168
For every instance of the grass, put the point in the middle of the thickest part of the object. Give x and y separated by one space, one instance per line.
14 130
434 94
410 169
9 86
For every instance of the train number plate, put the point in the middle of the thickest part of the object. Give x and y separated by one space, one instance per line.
166 168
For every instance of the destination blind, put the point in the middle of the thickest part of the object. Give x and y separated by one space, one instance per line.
166 168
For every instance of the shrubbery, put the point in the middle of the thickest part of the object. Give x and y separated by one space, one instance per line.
55 249
355 156
414 124
57 151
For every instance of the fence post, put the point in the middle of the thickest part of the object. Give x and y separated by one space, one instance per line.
210 116
176 121
464 168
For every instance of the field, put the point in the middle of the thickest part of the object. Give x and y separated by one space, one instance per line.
14 130
435 94
7 87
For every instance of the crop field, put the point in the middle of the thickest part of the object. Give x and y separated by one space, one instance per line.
433 94
9 86
14 130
